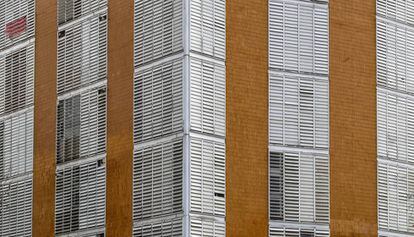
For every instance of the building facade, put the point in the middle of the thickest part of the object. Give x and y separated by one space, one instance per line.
206 118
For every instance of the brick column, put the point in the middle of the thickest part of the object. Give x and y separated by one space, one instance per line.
120 118
247 118
44 163
353 145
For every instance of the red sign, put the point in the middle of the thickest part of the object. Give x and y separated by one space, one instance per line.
16 27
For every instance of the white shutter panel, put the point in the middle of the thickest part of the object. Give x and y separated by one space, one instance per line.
17 79
80 197
395 47
299 111
297 232
207 27
395 197
81 125
11 11
158 29
16 145
207 180
164 228
299 187
276 186
82 53
93 122
400 10
92 195
72 9
299 36
207 228
158 101
158 180
207 97
16 209
395 126
68 129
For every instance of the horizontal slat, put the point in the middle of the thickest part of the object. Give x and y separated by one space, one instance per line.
167 228
69 10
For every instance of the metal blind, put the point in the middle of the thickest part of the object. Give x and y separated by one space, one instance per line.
297 232
299 36
395 126
207 228
400 10
158 101
208 27
299 111
80 197
158 180
11 11
299 187
16 145
207 97
395 56
158 29
72 9
164 228
16 209
207 178
81 130
395 197
16 79
82 53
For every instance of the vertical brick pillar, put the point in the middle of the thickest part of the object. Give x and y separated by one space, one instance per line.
120 118
353 145
247 118
44 164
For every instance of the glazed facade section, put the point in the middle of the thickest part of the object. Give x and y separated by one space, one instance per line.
298 118
395 88
81 118
17 52
179 118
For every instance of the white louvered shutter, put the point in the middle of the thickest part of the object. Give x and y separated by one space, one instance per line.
299 36
299 187
207 228
68 129
395 61
299 111
158 180
72 9
170 228
81 129
207 27
93 122
395 126
395 197
80 197
17 79
16 145
82 58
158 101
276 186
207 97
16 209
297 232
11 12
158 29
400 10
207 187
